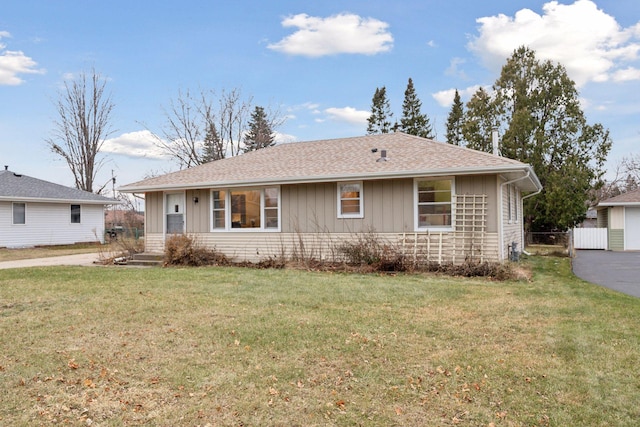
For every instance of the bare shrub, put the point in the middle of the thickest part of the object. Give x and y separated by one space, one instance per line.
494 270
181 249
367 249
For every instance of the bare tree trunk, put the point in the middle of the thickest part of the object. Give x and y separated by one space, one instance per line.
84 113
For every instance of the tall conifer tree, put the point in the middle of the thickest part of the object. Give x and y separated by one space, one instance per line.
260 134
380 118
455 120
413 121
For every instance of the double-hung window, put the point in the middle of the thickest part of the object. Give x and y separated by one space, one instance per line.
242 209
434 207
19 213
350 203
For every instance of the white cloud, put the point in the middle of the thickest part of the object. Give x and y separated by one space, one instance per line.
626 74
14 63
134 144
588 42
284 138
348 114
342 33
445 97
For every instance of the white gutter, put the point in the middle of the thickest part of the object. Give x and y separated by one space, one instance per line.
522 210
500 211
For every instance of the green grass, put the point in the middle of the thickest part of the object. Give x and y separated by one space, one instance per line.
233 346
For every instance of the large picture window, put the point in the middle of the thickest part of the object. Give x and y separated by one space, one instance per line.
253 209
19 213
350 204
434 207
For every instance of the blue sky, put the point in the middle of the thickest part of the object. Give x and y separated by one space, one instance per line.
318 62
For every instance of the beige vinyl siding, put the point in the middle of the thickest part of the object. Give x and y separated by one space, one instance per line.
511 229
198 216
154 242
254 247
153 212
312 208
616 217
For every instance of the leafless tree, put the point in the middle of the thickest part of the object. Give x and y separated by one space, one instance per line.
232 119
84 115
205 127
184 129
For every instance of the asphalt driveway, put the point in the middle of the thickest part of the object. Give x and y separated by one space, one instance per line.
619 271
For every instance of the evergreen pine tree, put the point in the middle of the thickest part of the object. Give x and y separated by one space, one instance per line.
212 149
455 120
379 120
413 121
260 134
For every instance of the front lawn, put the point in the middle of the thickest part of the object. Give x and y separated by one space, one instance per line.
236 346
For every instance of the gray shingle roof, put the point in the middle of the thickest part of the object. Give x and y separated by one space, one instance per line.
16 187
628 198
340 159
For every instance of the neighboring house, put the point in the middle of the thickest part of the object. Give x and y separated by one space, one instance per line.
621 216
433 200
34 212
590 220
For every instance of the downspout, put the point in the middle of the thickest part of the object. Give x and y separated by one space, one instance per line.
501 224
522 210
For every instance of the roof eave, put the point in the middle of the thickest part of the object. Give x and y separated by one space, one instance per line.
535 183
53 200
614 204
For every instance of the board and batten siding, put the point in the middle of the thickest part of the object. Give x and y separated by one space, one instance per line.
50 224
313 208
154 212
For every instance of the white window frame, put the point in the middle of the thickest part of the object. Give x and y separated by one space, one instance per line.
13 217
227 211
360 199
509 203
416 204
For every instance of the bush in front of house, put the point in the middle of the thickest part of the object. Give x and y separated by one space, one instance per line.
184 250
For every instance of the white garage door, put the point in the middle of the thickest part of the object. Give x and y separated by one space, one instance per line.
632 228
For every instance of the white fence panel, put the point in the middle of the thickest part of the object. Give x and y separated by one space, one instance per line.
590 238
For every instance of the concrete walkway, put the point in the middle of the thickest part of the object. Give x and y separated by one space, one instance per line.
79 259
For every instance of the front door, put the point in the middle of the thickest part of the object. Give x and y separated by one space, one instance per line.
175 213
